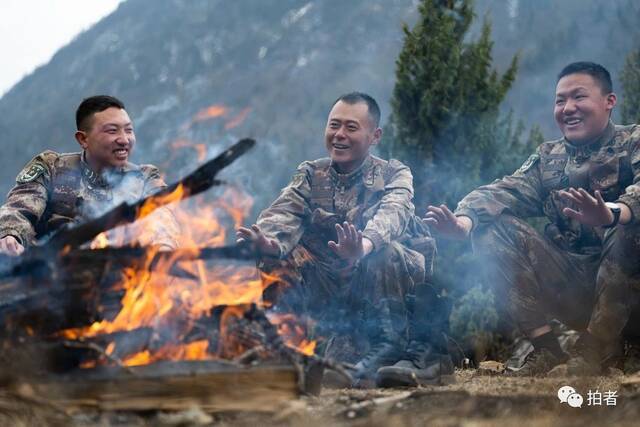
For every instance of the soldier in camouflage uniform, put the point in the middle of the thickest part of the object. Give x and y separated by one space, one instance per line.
57 189
584 270
343 228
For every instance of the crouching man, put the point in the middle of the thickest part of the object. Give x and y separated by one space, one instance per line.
584 270
345 230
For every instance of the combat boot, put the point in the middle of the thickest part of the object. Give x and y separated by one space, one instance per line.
426 360
537 363
586 356
385 326
421 365
381 354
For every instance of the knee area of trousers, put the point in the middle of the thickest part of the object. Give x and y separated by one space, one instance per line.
387 253
624 241
506 230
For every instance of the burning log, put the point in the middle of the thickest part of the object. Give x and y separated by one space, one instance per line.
211 385
198 181
123 256
28 307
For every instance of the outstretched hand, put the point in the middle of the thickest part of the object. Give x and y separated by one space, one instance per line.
262 243
442 220
589 210
351 245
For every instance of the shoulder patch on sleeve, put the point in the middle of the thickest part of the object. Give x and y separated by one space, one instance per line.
396 163
634 131
531 161
150 171
30 173
302 173
298 179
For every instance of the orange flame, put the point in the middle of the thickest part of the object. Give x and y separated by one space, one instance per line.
100 241
196 350
154 298
294 334
211 112
153 203
238 119
220 111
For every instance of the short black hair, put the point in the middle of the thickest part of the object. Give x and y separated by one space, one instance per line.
356 97
94 104
597 71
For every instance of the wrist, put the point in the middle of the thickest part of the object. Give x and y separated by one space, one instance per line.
374 238
626 214
465 225
473 220
367 247
613 216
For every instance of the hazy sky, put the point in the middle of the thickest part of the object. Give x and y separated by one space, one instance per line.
31 31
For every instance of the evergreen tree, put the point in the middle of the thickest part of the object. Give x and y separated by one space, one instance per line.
447 126
630 78
445 121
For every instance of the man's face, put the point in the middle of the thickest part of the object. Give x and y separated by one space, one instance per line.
349 134
109 140
582 110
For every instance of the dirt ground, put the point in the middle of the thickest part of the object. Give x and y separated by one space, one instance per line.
478 398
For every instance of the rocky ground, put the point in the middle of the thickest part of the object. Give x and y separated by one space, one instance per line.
478 398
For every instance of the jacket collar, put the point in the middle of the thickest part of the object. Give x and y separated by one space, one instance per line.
106 178
587 149
347 179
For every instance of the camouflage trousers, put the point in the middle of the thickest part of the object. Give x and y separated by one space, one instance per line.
340 300
537 281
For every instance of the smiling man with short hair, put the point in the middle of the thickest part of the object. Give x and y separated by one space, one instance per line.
56 189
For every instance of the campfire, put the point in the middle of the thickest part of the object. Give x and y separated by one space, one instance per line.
93 312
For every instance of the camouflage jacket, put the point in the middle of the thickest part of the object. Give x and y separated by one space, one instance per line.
56 189
611 165
377 198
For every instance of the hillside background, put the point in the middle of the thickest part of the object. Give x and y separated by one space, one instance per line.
209 72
